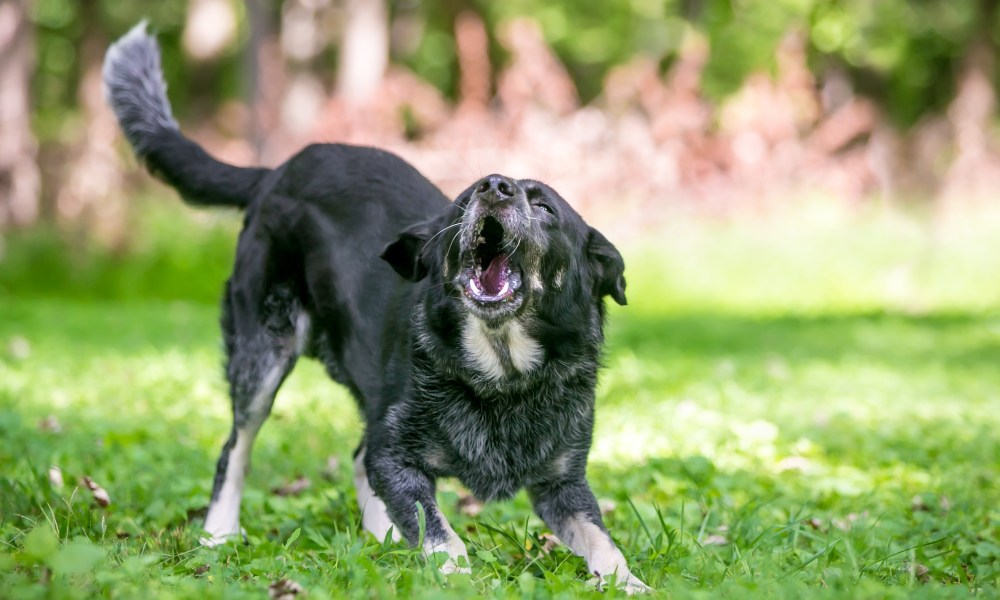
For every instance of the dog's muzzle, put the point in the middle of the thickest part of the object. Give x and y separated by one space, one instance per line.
494 230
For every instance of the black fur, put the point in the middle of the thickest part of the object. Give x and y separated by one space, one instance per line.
359 245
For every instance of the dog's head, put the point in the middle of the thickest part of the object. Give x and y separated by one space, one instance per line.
506 245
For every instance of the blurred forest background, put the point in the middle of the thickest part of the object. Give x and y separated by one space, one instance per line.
638 105
803 191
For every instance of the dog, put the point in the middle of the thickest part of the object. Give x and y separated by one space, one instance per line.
468 331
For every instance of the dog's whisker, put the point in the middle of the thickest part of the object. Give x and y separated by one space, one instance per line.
437 234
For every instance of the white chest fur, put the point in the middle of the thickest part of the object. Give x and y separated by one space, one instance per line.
495 352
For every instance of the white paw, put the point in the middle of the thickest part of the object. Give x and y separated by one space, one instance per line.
451 565
634 585
217 539
457 560
629 583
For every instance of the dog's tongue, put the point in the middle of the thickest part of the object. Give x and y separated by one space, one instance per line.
495 275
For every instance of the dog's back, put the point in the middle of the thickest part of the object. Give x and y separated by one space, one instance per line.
314 229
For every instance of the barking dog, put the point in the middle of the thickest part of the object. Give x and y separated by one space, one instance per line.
469 332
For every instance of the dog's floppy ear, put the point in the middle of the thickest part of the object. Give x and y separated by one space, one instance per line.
608 267
408 254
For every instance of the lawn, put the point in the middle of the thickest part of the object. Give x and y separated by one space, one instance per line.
797 407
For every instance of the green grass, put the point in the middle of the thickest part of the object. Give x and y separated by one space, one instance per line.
807 408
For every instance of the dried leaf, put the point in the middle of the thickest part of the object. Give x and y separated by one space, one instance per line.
56 477
284 589
549 541
607 506
921 572
847 522
468 505
332 468
293 488
50 424
715 540
100 495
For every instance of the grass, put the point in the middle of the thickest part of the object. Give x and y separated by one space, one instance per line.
805 408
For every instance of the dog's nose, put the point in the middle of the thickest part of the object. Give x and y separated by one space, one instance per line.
498 186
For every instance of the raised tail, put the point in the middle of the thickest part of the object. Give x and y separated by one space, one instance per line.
134 87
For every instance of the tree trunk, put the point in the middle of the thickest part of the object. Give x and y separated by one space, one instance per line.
19 178
364 53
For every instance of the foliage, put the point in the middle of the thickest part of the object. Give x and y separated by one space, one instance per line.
904 54
770 422
152 266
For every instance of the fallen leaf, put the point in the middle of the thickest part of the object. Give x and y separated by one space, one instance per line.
50 424
607 506
847 522
332 468
100 495
549 542
921 572
468 505
715 540
284 589
293 488
55 477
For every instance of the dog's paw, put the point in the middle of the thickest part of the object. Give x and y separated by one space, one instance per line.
218 539
630 584
634 585
450 556
458 564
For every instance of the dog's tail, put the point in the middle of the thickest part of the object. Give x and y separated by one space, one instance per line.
134 86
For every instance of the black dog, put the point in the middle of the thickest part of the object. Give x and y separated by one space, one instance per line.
469 332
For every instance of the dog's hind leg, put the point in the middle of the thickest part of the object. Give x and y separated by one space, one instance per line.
263 340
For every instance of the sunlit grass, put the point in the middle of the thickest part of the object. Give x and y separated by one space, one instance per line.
783 414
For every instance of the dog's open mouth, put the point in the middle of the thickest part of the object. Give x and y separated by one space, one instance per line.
490 276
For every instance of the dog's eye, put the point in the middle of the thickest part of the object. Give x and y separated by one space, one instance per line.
544 207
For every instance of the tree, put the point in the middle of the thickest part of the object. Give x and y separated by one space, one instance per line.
19 178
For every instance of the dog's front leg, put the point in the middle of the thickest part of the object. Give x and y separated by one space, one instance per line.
570 510
402 487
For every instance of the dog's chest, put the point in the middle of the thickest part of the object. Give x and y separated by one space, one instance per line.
496 450
497 352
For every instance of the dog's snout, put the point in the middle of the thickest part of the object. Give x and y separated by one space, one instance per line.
498 186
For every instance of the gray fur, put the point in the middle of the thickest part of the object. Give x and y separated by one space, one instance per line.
135 89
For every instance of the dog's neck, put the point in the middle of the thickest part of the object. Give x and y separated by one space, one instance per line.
496 352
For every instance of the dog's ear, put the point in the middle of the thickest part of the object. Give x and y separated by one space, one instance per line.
608 267
408 254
